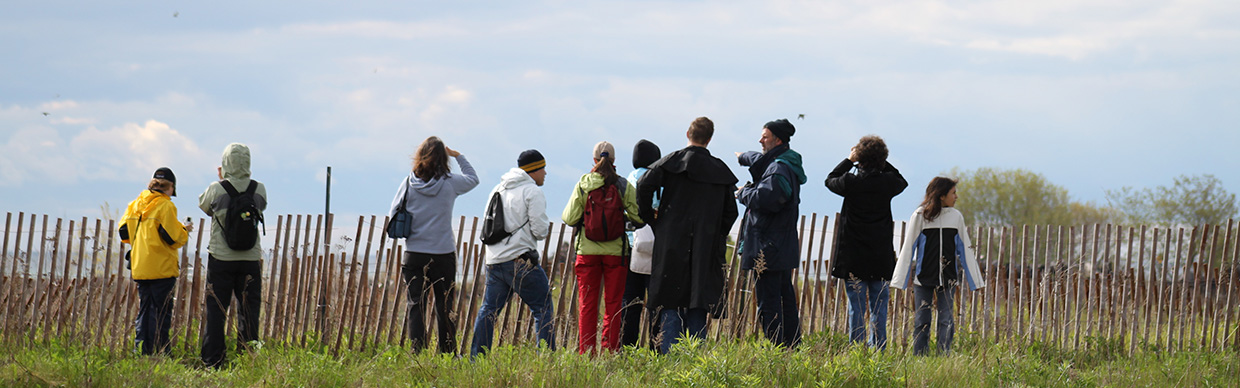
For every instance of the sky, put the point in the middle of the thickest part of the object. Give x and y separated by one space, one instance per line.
1095 95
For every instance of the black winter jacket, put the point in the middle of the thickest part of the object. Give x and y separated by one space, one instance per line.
696 211
864 250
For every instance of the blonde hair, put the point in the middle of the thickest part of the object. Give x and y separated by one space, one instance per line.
161 185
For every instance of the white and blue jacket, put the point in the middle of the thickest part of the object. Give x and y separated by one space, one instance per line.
934 250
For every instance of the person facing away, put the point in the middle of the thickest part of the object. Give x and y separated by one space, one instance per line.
695 213
150 226
864 256
611 202
770 246
641 240
231 272
429 266
512 263
935 254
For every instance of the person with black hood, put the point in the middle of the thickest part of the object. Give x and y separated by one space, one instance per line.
770 246
864 255
645 153
429 265
695 213
151 228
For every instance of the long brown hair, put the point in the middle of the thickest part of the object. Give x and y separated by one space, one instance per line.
431 161
932 206
607 168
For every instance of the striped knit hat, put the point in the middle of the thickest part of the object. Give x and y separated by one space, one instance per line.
531 160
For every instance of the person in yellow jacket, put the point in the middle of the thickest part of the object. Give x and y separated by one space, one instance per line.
151 228
601 204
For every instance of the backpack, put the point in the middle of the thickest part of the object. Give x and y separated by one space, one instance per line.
604 212
242 218
493 223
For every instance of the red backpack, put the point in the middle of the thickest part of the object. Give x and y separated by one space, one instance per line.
604 212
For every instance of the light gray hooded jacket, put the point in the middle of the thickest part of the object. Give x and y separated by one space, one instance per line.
431 202
214 202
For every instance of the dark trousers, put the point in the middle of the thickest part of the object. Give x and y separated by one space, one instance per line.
154 314
425 274
635 286
938 300
777 307
226 280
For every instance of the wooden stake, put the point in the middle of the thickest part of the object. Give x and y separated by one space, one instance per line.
92 295
272 290
197 303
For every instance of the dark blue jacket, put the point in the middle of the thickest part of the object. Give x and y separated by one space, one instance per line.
769 234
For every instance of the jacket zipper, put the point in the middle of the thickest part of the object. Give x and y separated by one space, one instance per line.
941 258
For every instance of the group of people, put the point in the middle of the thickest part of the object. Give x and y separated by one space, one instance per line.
152 228
654 242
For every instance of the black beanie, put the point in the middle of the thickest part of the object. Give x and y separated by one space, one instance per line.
782 129
531 160
166 174
645 153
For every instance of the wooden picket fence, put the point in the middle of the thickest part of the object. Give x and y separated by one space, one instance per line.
1139 287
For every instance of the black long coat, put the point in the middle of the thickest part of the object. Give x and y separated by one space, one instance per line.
696 210
865 249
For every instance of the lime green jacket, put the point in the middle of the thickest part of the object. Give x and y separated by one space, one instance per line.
576 209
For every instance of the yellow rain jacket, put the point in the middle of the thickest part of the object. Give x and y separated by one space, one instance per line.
150 225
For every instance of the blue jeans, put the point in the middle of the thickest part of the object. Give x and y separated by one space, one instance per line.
871 296
530 283
681 322
923 299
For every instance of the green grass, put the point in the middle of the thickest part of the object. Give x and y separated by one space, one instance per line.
824 360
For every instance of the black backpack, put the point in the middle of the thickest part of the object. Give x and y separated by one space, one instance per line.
493 223
242 219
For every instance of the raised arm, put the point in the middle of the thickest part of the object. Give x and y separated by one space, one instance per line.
468 179
770 194
838 176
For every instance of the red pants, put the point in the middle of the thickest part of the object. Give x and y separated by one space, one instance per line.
611 271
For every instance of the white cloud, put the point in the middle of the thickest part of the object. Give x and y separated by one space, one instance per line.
120 153
455 95
132 149
378 29
73 121
53 106
35 154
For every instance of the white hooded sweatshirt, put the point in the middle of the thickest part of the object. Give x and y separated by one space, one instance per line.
525 216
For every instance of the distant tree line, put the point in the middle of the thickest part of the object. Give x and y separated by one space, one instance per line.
992 196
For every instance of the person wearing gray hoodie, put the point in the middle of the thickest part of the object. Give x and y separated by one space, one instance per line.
429 193
231 272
